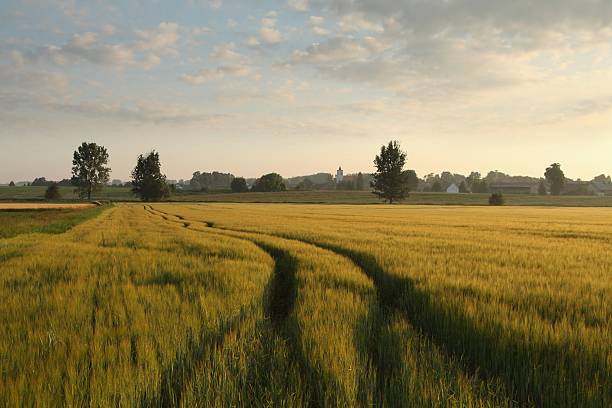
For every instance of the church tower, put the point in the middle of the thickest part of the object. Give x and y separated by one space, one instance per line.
339 175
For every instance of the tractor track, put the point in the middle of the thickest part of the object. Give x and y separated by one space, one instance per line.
457 335
282 293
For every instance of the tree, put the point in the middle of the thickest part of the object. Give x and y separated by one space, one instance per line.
602 179
89 171
195 185
496 199
239 185
12 184
391 182
41 182
463 187
555 177
269 183
436 187
542 188
305 185
413 180
480 186
52 192
345 185
473 178
149 183
359 182
447 178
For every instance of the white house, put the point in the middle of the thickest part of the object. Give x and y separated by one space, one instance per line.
452 189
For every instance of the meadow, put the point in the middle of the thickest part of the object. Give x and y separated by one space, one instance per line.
123 194
22 219
310 305
37 193
415 198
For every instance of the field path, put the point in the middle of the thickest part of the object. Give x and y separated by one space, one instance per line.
325 387
382 350
531 377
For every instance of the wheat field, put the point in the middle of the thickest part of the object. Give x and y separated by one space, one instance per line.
310 305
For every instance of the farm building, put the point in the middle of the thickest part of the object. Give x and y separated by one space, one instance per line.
452 189
600 189
514 188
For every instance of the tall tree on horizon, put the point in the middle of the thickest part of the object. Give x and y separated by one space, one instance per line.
391 182
149 183
89 170
359 182
556 178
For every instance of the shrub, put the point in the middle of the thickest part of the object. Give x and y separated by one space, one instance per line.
496 199
52 192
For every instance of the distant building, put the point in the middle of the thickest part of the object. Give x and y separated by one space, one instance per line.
600 189
339 175
452 189
117 183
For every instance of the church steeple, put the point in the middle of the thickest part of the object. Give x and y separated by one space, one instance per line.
339 175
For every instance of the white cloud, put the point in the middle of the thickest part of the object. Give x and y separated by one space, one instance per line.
139 111
84 47
109 29
316 25
227 53
358 22
298 5
270 35
253 42
200 30
268 32
212 74
162 39
213 4
337 50
145 50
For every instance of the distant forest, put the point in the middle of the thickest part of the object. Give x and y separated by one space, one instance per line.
474 182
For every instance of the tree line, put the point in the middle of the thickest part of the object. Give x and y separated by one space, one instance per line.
391 182
90 173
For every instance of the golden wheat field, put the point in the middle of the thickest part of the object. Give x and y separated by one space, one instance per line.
310 305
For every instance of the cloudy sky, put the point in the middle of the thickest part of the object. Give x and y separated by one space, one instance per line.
299 86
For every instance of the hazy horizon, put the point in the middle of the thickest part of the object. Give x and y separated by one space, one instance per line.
303 86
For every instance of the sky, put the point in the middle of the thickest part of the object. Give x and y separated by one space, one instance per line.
302 86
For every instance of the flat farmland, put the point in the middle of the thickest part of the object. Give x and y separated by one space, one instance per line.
124 194
43 206
23 218
310 305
